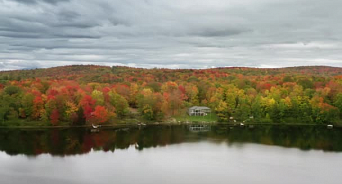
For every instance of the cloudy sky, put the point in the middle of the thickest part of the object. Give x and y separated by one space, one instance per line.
169 33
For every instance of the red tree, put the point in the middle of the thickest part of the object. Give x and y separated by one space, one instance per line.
100 115
38 105
86 103
54 117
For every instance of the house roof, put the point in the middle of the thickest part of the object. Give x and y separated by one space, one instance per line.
199 108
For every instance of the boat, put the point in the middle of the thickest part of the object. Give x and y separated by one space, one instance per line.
330 126
95 126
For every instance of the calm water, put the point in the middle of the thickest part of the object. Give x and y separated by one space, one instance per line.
172 154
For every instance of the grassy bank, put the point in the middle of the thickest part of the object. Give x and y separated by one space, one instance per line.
186 118
134 120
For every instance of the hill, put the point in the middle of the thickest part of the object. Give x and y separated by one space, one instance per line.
88 71
83 94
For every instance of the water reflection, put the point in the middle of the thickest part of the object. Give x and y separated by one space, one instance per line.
61 142
199 128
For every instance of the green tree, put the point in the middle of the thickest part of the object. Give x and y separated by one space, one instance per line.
4 108
27 105
12 114
98 96
11 90
120 103
257 109
338 103
283 110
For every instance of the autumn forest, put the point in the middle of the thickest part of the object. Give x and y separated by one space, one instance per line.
89 94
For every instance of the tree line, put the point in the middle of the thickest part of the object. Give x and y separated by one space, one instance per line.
77 95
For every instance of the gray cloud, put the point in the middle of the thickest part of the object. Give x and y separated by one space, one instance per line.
162 33
16 64
37 1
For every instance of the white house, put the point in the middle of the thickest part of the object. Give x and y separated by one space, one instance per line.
199 111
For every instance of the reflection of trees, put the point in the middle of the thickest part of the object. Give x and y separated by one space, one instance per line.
303 137
79 141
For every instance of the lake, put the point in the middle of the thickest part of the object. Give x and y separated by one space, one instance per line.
172 154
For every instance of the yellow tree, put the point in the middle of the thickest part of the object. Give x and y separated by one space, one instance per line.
222 111
192 93
98 96
70 109
134 89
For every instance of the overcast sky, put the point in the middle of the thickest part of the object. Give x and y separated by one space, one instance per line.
170 33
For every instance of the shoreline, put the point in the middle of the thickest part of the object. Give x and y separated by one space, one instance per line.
114 126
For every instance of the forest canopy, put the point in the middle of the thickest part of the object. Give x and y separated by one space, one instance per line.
85 94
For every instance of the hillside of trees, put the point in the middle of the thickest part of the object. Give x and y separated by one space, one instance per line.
86 94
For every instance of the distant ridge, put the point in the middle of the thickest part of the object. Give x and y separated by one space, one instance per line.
98 70
228 67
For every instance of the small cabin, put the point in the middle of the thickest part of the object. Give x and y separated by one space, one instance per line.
199 111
